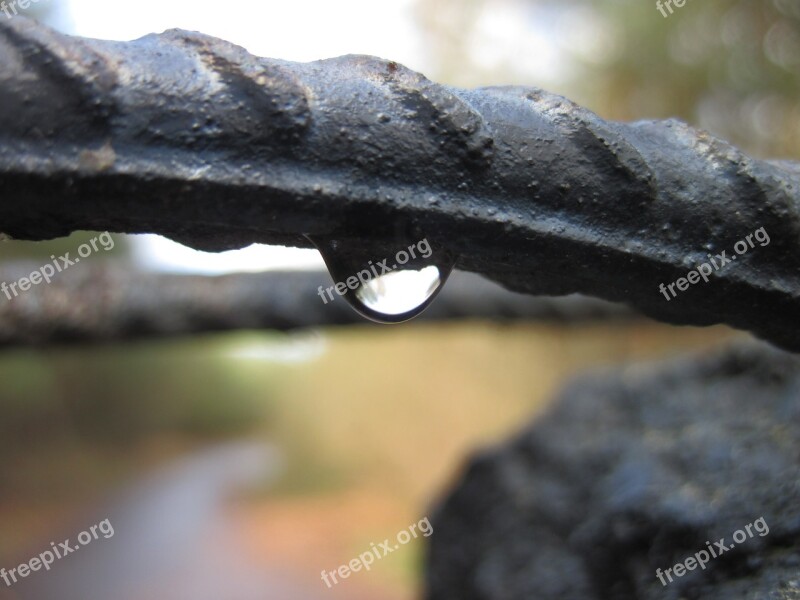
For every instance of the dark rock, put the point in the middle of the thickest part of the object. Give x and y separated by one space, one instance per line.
631 472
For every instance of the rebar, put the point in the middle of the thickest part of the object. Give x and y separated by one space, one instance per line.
193 138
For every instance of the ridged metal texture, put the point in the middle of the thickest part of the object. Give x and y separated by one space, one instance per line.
193 138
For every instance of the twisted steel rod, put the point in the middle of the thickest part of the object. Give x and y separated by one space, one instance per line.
193 138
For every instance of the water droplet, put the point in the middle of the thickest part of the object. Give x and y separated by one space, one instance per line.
386 284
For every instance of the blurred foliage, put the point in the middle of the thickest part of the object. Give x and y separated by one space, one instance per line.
118 397
728 66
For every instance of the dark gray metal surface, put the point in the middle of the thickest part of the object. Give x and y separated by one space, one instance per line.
191 137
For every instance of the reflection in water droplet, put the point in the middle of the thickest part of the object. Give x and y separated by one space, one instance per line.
399 292
390 285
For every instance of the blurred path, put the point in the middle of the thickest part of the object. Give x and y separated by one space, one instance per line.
173 539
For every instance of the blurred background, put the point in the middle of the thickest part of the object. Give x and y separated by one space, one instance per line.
242 465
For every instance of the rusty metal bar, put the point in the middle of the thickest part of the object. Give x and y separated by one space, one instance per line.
193 138
112 302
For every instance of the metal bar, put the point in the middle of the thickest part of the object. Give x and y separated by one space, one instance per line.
112 302
193 138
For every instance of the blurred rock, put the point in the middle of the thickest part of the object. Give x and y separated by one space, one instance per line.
633 471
